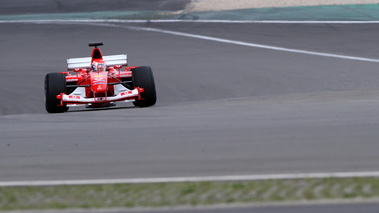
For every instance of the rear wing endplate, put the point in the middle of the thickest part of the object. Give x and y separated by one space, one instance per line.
110 60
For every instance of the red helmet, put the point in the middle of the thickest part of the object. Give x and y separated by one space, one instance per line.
98 66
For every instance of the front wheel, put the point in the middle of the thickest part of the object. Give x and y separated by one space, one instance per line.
143 78
55 84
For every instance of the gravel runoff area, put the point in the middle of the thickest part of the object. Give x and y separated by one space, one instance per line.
208 5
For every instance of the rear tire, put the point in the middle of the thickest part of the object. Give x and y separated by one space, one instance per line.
55 84
143 78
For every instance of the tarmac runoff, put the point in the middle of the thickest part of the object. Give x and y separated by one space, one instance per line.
363 13
102 22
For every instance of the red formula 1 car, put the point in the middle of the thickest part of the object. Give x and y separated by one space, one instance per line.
99 81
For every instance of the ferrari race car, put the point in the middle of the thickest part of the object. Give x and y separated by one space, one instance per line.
99 81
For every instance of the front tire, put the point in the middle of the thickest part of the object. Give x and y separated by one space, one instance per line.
55 84
143 78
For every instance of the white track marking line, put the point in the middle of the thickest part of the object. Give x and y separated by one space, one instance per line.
256 45
192 179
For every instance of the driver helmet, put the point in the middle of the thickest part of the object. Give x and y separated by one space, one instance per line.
99 66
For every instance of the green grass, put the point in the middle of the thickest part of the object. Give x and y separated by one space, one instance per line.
186 193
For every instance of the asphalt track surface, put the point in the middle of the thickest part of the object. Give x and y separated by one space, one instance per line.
340 208
222 109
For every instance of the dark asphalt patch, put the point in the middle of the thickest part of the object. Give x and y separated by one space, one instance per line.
70 6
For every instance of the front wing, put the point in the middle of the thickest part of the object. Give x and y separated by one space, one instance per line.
123 96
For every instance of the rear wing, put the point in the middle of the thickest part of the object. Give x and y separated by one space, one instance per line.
110 60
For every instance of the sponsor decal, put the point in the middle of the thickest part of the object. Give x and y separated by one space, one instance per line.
74 97
99 79
71 79
100 99
126 93
97 82
125 75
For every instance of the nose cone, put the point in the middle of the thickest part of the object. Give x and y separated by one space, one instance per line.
99 82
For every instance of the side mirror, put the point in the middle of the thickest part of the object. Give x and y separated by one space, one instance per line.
117 66
77 69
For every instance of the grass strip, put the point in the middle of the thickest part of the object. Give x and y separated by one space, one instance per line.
185 193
